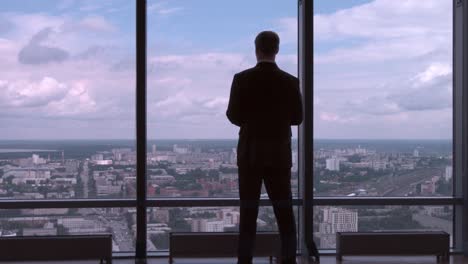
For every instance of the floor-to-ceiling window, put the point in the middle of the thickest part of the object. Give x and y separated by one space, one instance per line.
382 123
382 113
67 109
194 50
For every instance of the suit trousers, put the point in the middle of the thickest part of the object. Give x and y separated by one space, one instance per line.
278 185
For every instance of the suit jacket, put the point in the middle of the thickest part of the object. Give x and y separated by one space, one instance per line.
264 102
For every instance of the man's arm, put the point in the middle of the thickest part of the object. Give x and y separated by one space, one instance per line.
233 112
297 115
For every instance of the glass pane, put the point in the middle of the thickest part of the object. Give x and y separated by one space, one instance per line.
383 98
331 219
195 48
52 222
162 221
67 98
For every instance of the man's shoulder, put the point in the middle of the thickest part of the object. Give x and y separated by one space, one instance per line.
245 72
256 69
288 75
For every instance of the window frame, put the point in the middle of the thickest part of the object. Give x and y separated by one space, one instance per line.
460 132
306 200
460 123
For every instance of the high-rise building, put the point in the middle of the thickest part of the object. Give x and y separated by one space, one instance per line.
35 158
416 153
341 220
180 150
333 164
207 225
98 156
448 173
336 220
214 226
154 150
360 150
294 161
233 156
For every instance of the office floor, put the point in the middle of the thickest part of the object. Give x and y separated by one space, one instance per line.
324 260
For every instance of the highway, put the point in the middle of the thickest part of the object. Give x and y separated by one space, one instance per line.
390 185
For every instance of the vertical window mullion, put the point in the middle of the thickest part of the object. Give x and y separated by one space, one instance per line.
306 129
141 129
459 124
461 56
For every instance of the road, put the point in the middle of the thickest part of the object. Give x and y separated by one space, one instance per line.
120 233
388 185
401 185
434 222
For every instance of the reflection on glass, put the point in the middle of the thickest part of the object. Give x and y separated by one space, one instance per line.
331 219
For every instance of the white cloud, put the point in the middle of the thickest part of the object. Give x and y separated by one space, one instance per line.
163 8
24 26
334 117
188 94
427 91
382 70
76 102
97 23
434 71
287 30
81 86
8 51
31 94
218 102
386 66
200 82
46 97
387 19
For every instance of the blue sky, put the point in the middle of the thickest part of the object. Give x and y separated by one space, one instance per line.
332 6
68 68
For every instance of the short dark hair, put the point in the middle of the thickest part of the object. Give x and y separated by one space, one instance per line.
267 42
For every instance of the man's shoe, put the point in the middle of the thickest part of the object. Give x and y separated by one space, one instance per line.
314 252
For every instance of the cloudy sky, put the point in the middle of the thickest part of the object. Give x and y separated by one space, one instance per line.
382 67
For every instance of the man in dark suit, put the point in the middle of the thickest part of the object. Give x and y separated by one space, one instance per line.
265 102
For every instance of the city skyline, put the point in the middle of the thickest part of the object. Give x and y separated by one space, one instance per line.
184 169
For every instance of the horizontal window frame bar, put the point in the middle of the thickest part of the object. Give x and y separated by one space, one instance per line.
70 203
220 202
448 200
205 202
165 253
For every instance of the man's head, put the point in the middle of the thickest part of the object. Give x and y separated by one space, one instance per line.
267 45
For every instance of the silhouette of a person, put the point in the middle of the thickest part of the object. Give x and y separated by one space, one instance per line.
265 102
